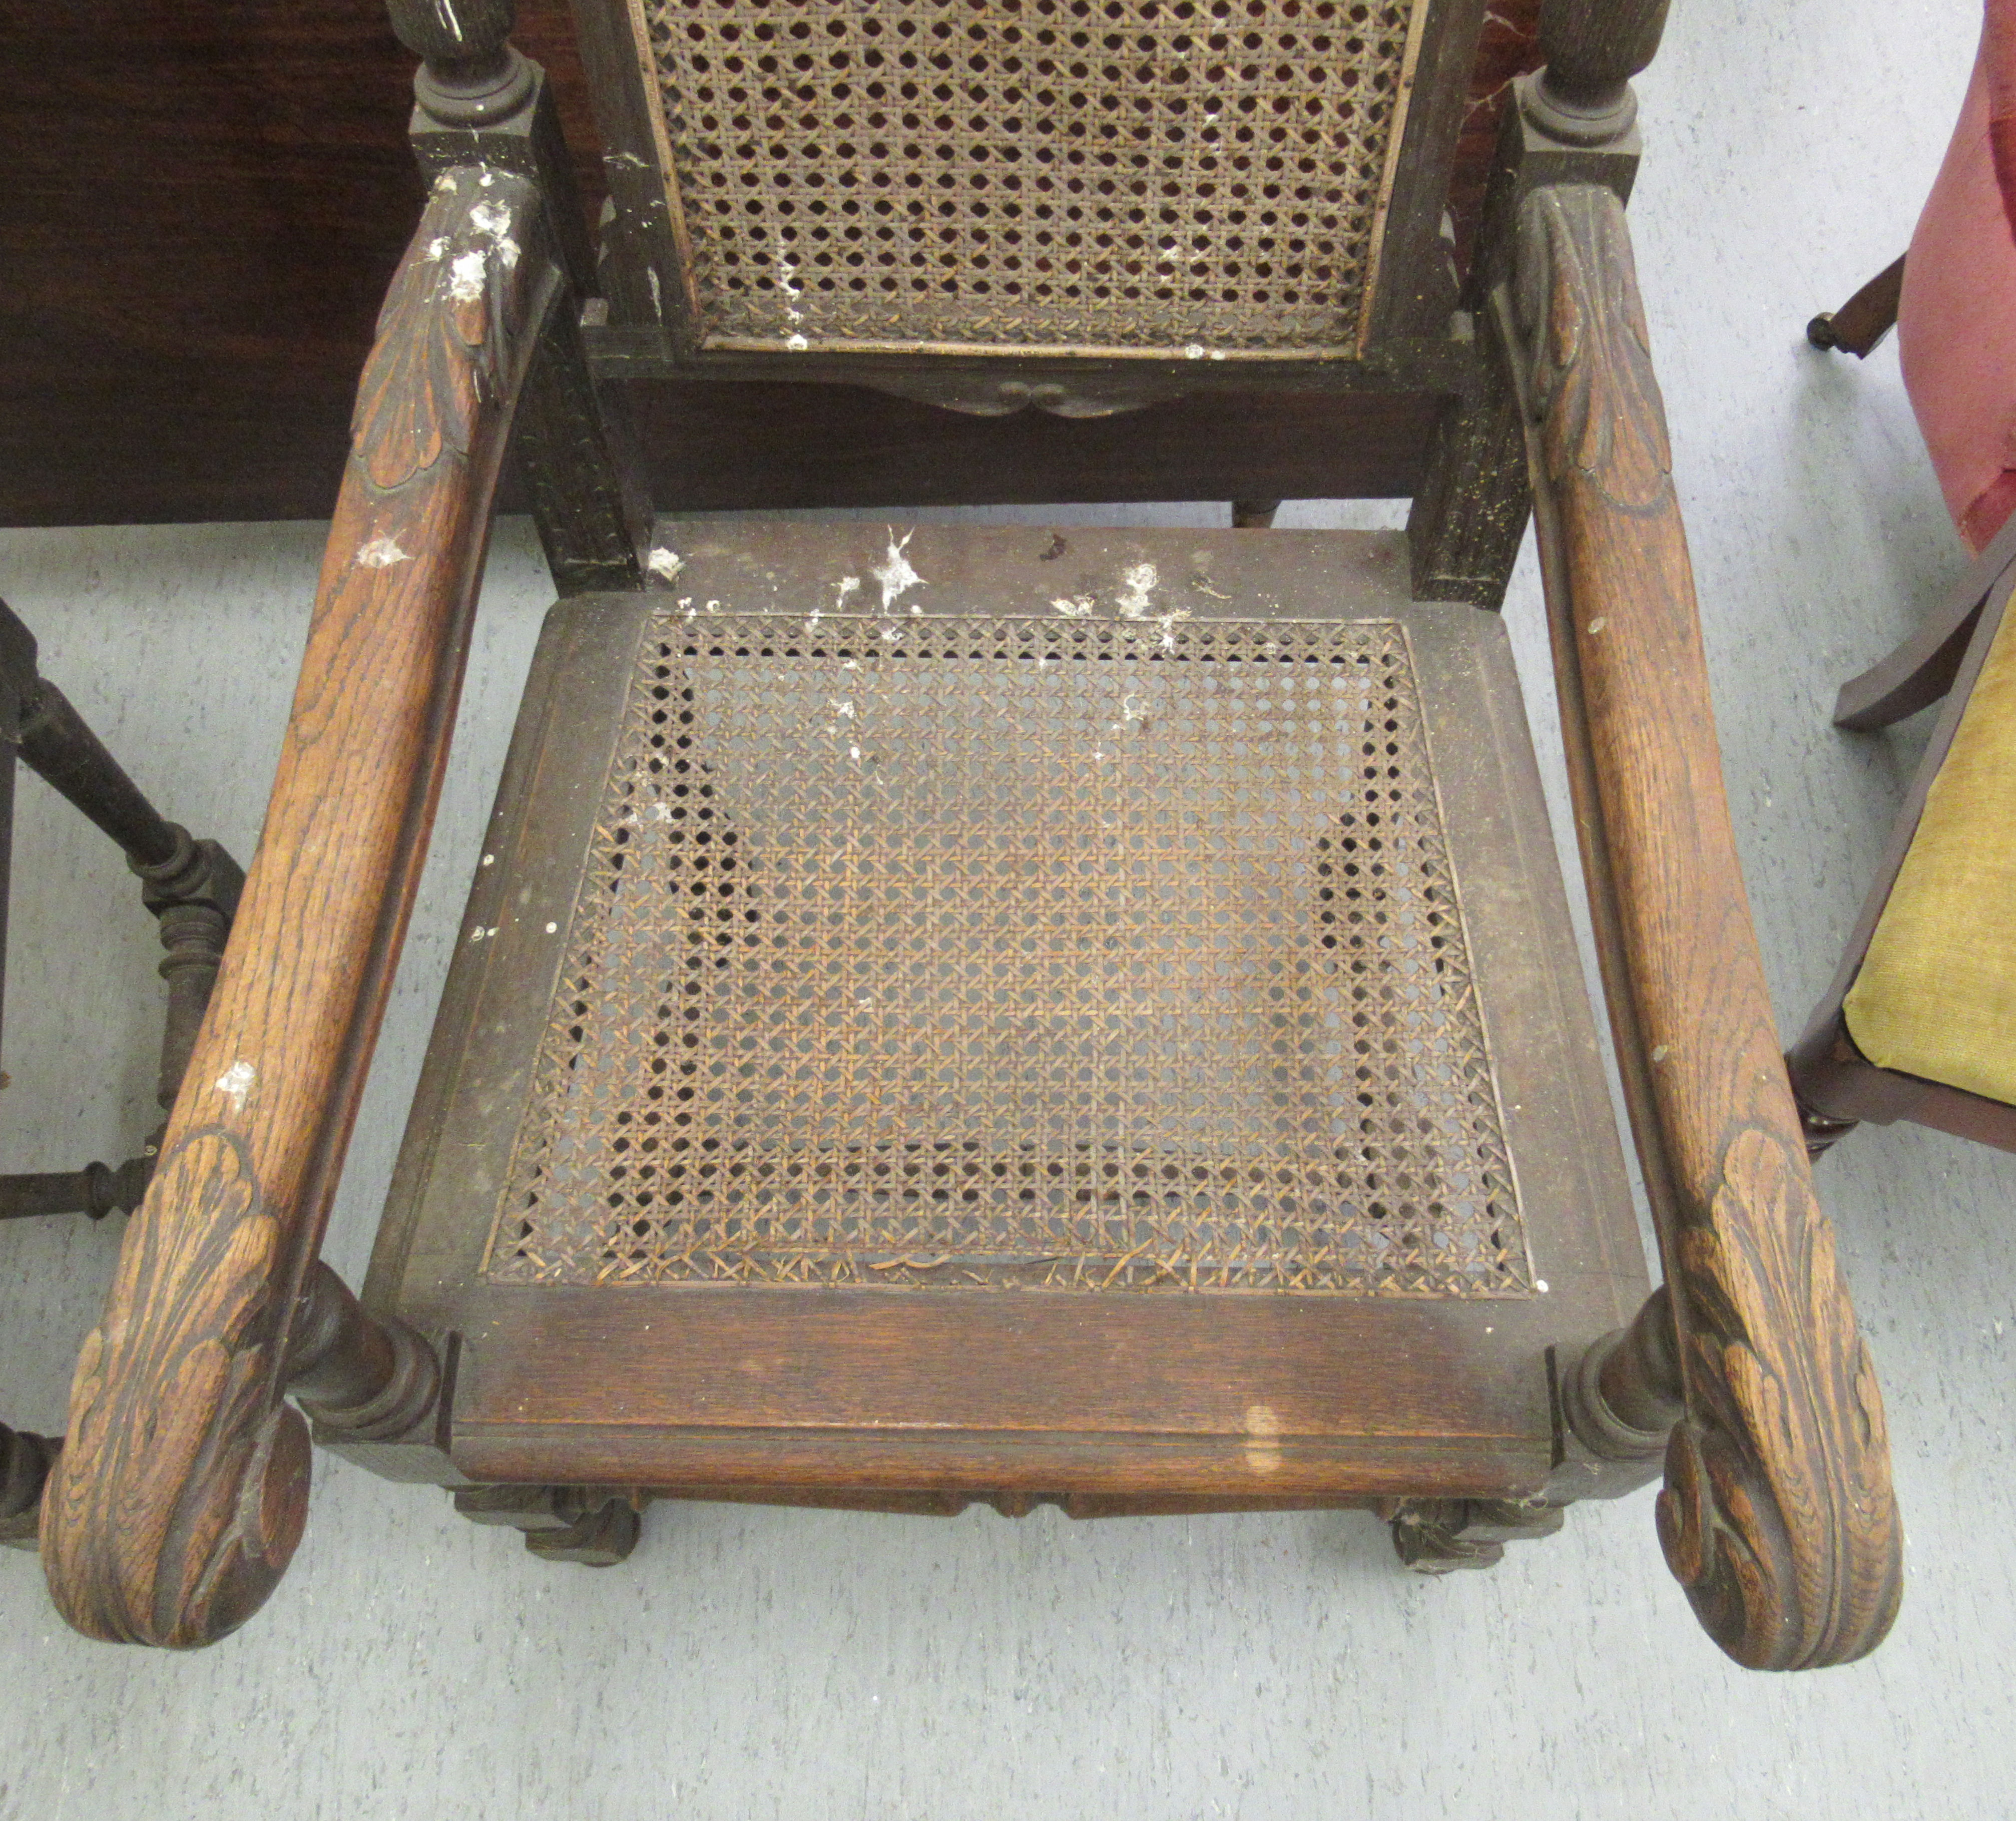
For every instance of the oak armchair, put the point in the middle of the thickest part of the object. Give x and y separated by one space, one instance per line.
949 1013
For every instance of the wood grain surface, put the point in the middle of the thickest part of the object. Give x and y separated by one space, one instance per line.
188 1474
1778 1516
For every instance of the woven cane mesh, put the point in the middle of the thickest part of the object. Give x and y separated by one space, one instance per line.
1196 174
1087 955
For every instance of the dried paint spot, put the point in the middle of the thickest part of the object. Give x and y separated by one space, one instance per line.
382 554
465 276
664 563
236 1083
894 572
1263 1440
1137 584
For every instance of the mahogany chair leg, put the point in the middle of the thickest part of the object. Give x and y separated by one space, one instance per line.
97 1191
351 1372
588 1525
1255 515
1922 668
1860 324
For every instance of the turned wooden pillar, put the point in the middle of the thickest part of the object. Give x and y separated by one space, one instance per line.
469 75
1592 48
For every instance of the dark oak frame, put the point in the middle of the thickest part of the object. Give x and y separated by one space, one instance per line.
1746 1371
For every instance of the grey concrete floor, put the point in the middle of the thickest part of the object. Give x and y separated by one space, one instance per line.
751 1662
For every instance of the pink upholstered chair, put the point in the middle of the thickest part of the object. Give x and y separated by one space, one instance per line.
1920 1022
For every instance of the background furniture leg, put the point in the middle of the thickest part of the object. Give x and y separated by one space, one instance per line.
1922 668
1860 324
1255 515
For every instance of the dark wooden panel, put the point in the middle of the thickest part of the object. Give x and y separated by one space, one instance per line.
1286 1395
722 445
203 206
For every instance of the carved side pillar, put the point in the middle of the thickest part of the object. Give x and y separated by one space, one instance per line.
1573 121
477 101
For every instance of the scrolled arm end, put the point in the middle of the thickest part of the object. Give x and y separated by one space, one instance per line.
1778 1517
182 1487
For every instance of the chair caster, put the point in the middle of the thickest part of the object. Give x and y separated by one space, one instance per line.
1438 1536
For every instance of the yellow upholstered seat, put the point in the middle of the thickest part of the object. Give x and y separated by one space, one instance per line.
1936 994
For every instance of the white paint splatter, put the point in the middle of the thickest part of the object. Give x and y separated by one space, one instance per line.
894 572
465 276
842 707
844 590
657 292
236 1083
1080 609
1133 710
437 246
1167 622
1136 584
661 812
1194 352
488 218
788 288
382 554
664 563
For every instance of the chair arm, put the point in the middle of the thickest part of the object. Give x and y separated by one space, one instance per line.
1777 1514
184 1481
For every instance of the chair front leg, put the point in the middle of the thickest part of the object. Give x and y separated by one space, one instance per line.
1777 1514
182 1490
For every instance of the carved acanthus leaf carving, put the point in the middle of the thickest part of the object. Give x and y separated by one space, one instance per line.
1778 1482
168 1393
459 300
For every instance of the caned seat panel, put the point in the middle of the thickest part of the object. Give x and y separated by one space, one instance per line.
1147 943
